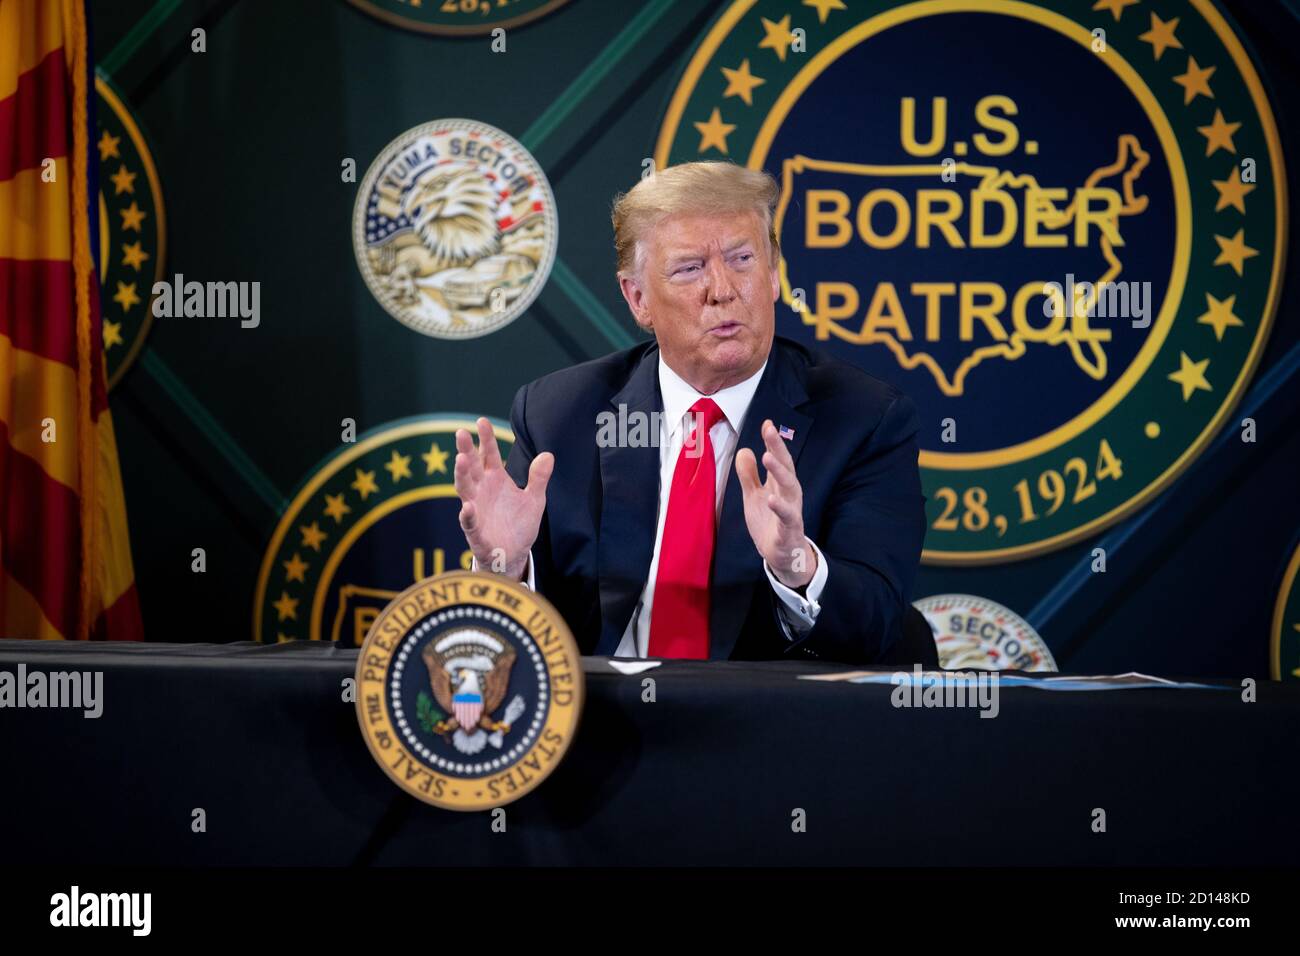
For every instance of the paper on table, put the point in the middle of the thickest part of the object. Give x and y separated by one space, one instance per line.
633 667
840 675
1128 681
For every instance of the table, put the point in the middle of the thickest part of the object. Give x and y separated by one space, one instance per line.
711 772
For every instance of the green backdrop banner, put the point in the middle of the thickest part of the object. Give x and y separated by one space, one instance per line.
376 219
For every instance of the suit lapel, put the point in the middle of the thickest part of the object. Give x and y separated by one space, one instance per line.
629 506
737 567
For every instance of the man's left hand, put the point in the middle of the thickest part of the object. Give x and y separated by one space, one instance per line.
774 511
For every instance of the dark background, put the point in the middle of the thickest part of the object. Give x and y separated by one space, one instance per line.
217 425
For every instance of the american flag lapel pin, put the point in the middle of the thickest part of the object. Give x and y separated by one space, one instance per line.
786 432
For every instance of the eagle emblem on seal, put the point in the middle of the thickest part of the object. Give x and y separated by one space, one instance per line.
469 675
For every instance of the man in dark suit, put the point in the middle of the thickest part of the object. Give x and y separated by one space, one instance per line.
632 498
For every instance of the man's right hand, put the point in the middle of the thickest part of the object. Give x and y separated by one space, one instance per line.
500 520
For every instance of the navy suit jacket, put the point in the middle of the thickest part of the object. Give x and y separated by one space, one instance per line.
855 453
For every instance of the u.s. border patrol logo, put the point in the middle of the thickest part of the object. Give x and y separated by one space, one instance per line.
457 17
369 521
132 231
1057 226
976 632
1285 652
469 689
455 229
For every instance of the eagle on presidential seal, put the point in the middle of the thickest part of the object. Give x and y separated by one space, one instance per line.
469 674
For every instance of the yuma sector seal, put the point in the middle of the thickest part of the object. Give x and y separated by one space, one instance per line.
455 229
942 162
976 632
469 690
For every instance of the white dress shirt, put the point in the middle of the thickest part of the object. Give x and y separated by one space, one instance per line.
798 612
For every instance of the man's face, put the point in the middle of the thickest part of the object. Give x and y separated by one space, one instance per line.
707 291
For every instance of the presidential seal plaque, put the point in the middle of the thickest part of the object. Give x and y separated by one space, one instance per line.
469 690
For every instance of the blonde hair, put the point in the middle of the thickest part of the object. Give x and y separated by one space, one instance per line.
710 189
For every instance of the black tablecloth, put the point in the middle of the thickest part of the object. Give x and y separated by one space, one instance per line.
711 772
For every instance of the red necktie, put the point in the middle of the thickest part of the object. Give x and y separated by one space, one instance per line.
679 614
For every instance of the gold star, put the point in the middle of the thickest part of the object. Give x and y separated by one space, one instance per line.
112 334
286 607
133 255
741 83
714 132
1161 35
435 459
1190 375
335 507
1218 134
126 296
824 7
108 146
1220 316
399 466
1195 81
123 182
1116 7
283 638
312 536
1234 251
1232 191
365 484
295 568
778 38
132 216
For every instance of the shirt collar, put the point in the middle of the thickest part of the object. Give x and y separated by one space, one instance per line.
679 396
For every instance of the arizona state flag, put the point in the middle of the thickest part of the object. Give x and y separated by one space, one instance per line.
65 560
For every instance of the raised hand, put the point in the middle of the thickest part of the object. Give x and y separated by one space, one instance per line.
500 520
774 511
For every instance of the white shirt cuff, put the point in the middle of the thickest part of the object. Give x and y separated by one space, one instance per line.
527 582
798 612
